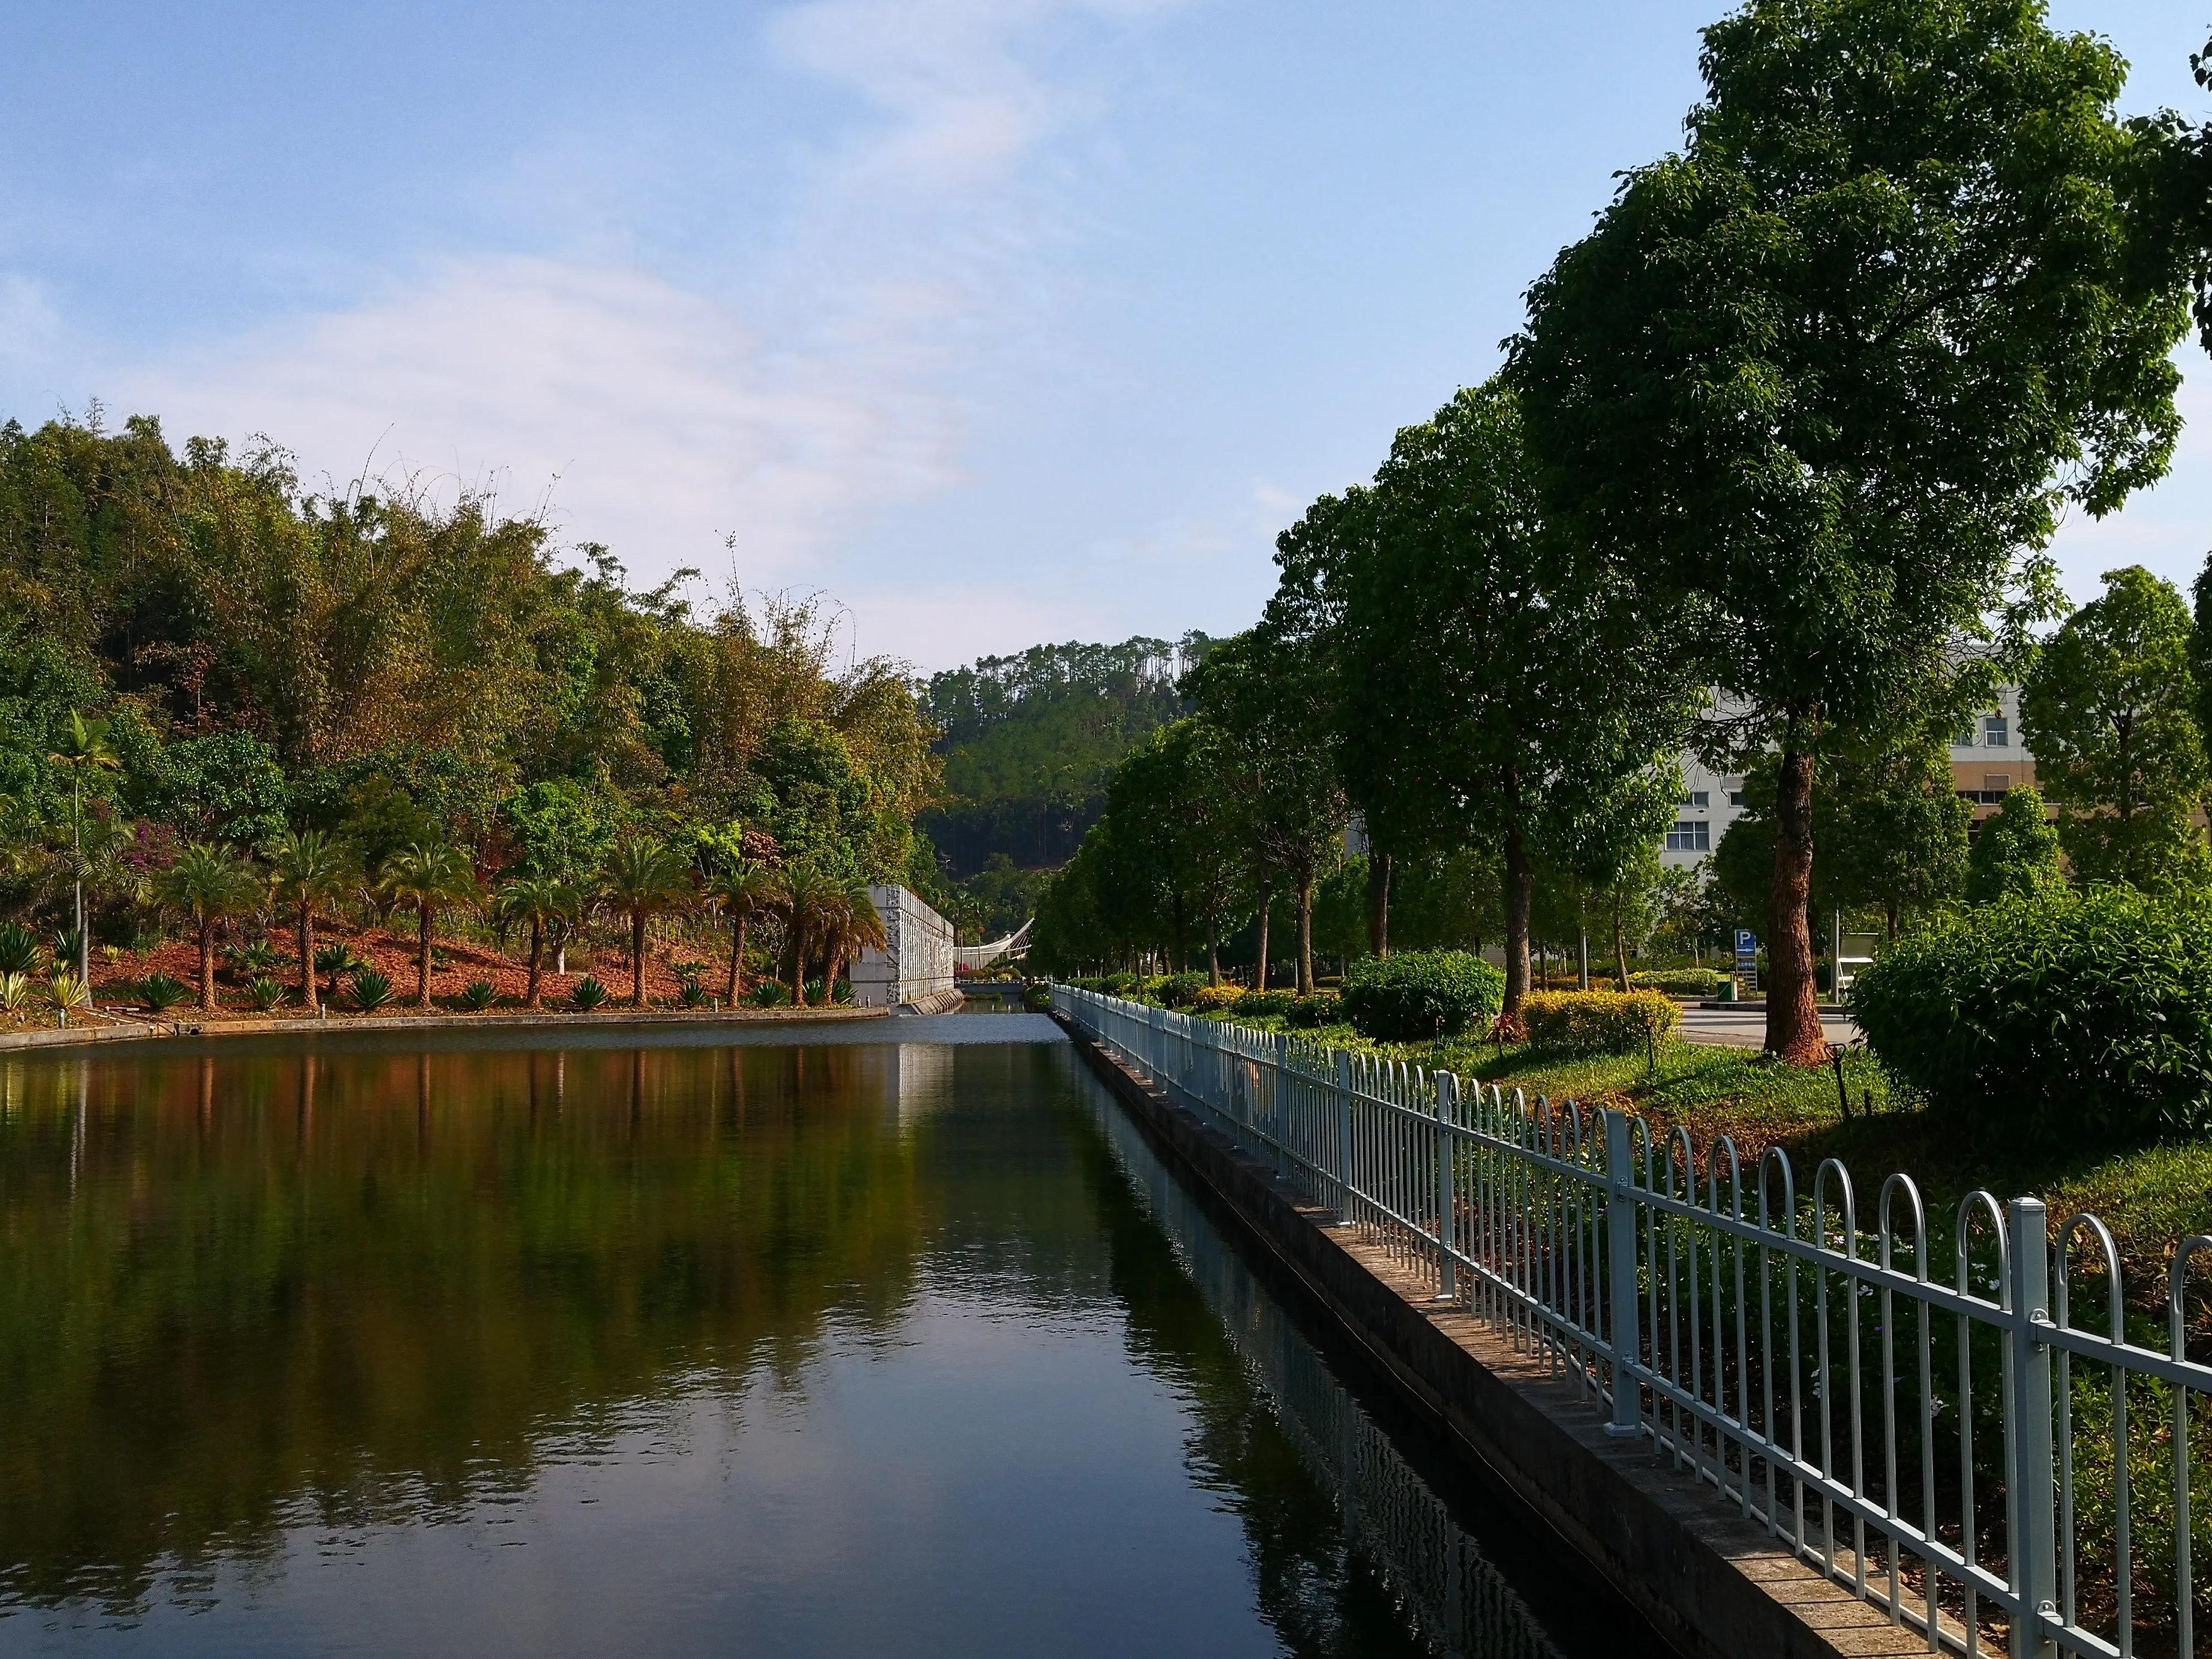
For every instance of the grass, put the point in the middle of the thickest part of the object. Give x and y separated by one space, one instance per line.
2151 1197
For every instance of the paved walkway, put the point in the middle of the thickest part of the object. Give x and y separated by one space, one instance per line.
1746 1027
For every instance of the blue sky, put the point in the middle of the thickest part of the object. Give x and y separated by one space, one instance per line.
997 320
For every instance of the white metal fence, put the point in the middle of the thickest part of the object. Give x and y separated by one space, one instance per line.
1963 1429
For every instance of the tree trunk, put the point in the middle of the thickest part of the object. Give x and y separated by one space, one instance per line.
798 969
637 958
1212 949
1378 902
1582 957
1519 895
422 961
1793 1013
207 967
534 994
1619 942
1181 932
307 958
1267 904
737 959
561 951
1305 936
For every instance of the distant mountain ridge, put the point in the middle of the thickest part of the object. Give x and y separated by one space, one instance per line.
1030 740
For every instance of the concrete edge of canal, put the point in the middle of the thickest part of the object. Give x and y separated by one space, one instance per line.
1710 1584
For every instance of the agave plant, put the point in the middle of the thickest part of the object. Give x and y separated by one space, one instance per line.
14 992
254 959
69 946
162 992
331 961
65 990
266 993
19 949
371 989
588 994
479 994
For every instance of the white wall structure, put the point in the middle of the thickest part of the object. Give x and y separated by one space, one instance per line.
1987 758
917 965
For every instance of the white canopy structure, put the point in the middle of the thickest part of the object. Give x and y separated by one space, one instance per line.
975 958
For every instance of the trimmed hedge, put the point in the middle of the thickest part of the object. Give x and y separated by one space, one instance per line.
2080 1016
1265 1004
1322 1008
1175 990
1412 996
1679 982
1213 998
1597 1021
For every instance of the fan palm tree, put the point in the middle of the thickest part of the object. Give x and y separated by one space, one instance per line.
804 898
746 890
308 871
855 926
84 747
208 886
643 878
431 878
534 901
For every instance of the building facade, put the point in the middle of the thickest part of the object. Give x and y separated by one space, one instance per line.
1987 758
915 966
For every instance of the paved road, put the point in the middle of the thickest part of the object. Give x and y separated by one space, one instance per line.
1746 1028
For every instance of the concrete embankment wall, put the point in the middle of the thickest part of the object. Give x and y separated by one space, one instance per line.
1710 1584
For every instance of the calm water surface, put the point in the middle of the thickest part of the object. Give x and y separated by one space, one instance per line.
869 1347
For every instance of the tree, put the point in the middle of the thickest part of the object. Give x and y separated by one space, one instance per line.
307 870
2110 712
1820 381
535 901
804 898
83 748
853 925
741 892
2017 854
642 878
207 886
1493 685
431 878
1268 693
1895 828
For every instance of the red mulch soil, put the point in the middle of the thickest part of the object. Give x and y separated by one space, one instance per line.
114 984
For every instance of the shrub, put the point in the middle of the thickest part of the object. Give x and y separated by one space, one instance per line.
160 993
2074 1015
371 989
68 941
254 960
1176 990
1597 1021
1414 995
1308 1012
19 949
588 994
1265 1004
1036 997
478 995
266 993
1679 982
66 991
1213 998
771 994
688 991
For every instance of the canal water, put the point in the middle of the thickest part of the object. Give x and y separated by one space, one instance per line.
466 1344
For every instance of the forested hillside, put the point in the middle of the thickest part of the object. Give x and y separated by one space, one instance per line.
1030 741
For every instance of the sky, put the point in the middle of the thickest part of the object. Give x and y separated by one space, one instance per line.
994 321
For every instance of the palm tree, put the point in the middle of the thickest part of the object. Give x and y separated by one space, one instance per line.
854 925
308 870
209 885
535 900
742 893
642 877
804 898
84 746
429 878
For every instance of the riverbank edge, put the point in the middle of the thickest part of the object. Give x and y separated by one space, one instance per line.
1710 1584
169 1031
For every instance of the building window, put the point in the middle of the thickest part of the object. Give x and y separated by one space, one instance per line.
1696 797
1964 739
1735 798
1996 731
1996 783
1690 836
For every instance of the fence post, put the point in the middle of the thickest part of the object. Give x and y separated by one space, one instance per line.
1343 1135
2030 1484
1620 1277
1447 1147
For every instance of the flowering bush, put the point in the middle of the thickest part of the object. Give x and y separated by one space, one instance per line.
1597 1021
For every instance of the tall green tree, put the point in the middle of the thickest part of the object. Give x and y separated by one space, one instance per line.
1820 381
308 871
2109 710
1894 833
431 878
742 890
83 749
537 903
2017 854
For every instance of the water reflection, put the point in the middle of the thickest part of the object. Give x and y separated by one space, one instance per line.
898 1345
